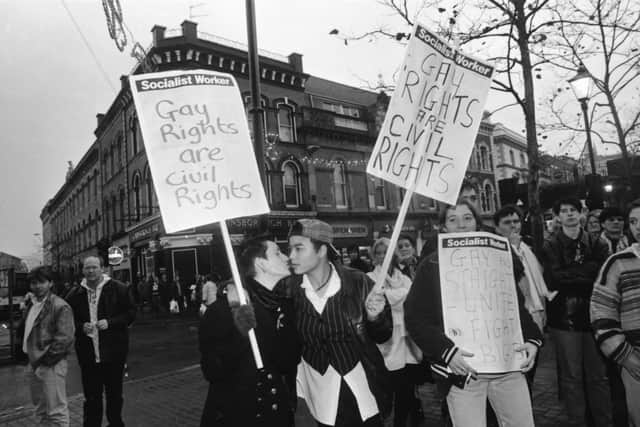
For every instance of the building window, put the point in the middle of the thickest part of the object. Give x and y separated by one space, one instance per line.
95 184
267 174
484 158
291 184
122 213
523 160
478 163
107 232
487 198
512 157
285 123
114 213
149 188
339 185
136 197
379 194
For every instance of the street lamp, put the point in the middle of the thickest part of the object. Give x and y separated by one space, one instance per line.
582 86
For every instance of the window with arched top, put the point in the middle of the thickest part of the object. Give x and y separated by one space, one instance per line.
114 213
136 196
286 129
291 184
122 212
107 230
379 193
487 198
134 136
340 185
248 107
512 157
523 160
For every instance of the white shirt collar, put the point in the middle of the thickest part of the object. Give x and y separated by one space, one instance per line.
333 287
104 280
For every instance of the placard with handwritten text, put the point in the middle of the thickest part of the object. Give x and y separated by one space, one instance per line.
197 142
430 127
479 300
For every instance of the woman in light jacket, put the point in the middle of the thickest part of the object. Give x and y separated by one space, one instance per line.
400 353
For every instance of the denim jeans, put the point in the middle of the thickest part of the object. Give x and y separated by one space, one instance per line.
582 371
507 393
632 389
49 395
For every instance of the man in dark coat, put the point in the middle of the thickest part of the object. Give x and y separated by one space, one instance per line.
103 309
240 394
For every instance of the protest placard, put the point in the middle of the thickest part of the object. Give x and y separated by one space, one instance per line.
430 127
479 299
197 142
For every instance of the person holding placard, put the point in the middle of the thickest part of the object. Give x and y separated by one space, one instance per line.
239 394
465 389
571 260
401 355
340 318
615 314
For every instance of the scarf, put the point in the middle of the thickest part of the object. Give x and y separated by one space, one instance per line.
623 243
263 296
533 273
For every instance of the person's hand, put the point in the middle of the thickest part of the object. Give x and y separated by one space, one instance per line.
375 303
244 318
102 324
530 351
632 364
87 327
459 366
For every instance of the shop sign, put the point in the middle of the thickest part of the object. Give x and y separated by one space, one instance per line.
243 225
146 232
350 230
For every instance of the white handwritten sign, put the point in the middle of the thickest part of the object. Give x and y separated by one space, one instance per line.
430 127
197 141
479 300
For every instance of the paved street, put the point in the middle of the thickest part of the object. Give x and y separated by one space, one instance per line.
166 387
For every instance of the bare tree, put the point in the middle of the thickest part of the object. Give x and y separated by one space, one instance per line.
603 36
507 29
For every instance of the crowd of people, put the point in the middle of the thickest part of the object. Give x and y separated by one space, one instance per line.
356 351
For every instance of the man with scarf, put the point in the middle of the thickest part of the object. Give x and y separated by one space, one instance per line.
240 394
508 222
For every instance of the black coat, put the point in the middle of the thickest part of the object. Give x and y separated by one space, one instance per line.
117 307
238 392
571 268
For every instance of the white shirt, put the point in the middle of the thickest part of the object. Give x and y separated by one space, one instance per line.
322 392
35 309
209 292
93 298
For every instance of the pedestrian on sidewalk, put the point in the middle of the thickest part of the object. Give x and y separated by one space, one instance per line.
571 260
467 391
615 314
340 318
47 332
103 309
240 395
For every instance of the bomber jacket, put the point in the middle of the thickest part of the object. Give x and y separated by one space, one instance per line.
117 307
425 323
571 267
52 335
355 287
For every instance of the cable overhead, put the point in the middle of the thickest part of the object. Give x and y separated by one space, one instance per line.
91 51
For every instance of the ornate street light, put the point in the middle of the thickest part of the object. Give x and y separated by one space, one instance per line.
582 86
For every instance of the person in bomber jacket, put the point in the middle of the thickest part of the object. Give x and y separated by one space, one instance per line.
508 393
103 309
571 260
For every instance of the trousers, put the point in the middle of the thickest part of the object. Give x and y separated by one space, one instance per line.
49 394
100 379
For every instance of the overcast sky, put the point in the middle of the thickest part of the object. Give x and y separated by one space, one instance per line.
51 87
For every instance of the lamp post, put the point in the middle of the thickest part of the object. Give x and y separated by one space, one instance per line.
582 86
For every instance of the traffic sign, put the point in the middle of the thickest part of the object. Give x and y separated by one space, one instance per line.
115 255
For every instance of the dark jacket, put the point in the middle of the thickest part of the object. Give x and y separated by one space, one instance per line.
117 307
52 335
228 364
425 323
356 286
571 268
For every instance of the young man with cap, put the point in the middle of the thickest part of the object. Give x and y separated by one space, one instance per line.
339 319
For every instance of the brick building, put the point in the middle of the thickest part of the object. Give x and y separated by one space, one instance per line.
319 135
